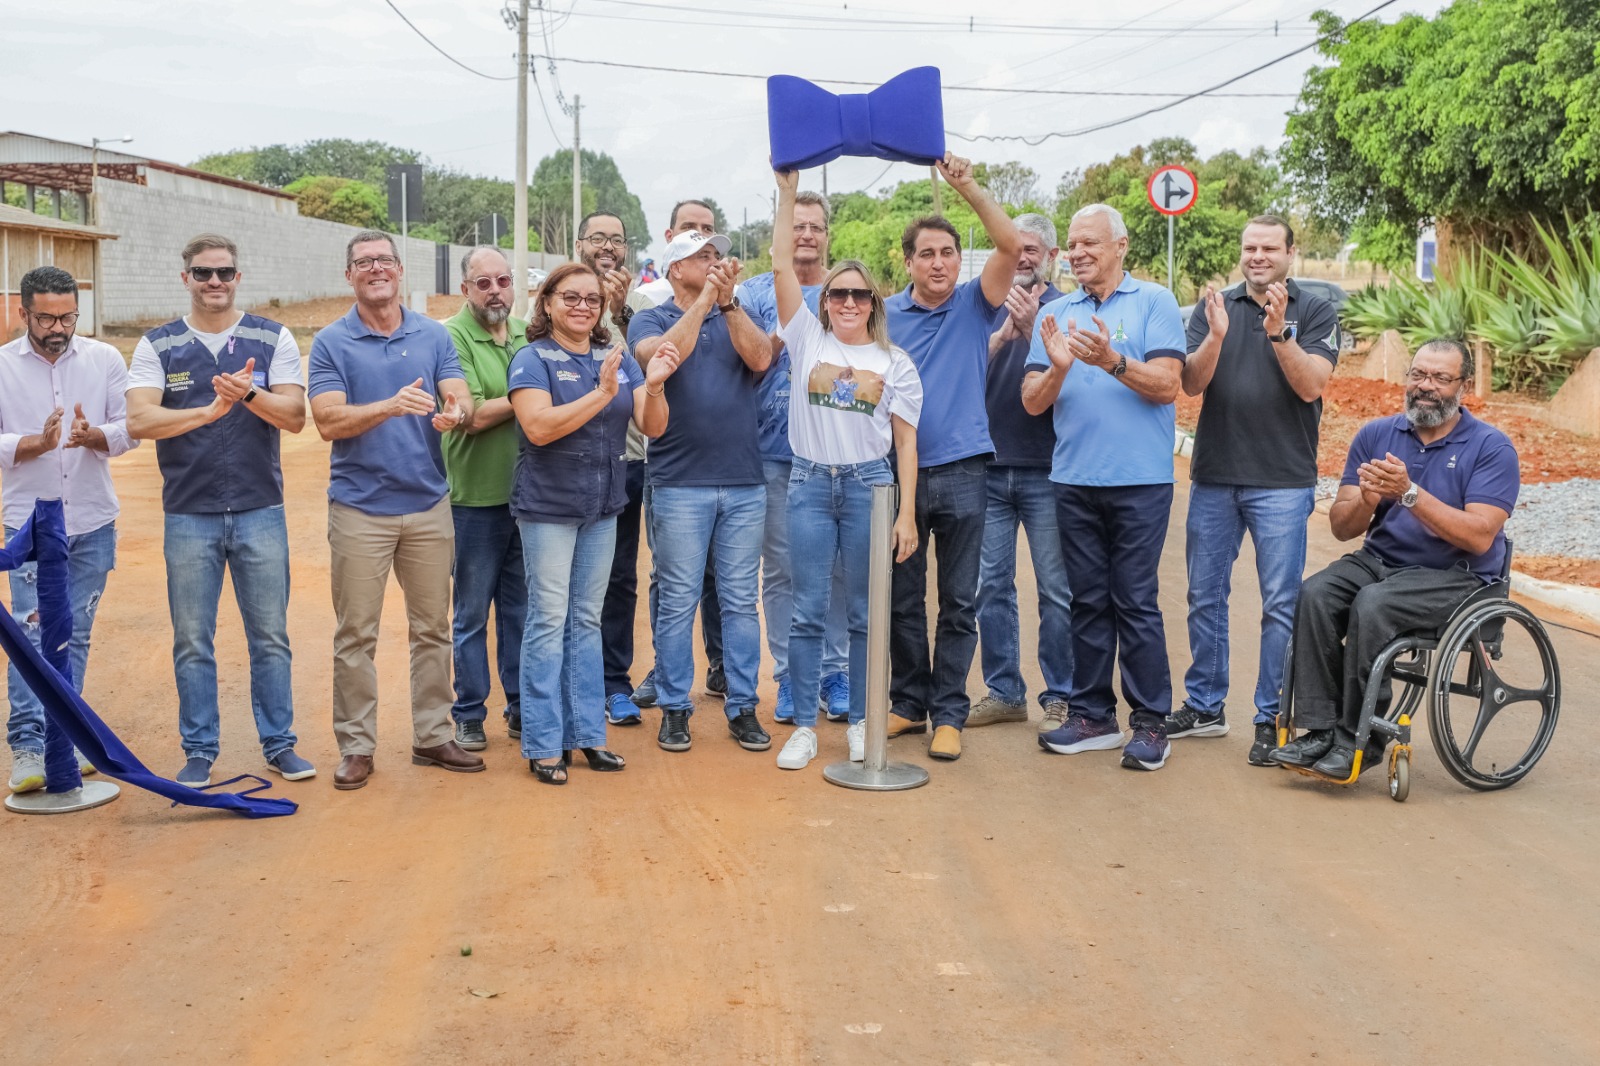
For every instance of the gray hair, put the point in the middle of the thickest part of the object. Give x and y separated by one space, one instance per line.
1119 228
1451 344
815 199
1040 226
364 237
466 260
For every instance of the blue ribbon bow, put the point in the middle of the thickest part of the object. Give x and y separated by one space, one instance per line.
901 120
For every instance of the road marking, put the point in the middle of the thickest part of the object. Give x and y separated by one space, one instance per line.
819 821
864 1029
839 908
954 969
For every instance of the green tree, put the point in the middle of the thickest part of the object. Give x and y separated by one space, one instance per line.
354 203
550 198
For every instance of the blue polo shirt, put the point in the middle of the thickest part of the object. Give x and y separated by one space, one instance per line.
1107 434
760 302
1475 463
395 467
950 346
711 437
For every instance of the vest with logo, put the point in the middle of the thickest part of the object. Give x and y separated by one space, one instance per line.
579 477
230 464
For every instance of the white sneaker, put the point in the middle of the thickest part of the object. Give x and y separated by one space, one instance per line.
857 736
799 749
85 767
27 770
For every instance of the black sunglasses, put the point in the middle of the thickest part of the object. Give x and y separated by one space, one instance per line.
861 296
203 274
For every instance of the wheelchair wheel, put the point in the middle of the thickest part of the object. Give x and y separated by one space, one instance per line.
1400 776
1494 693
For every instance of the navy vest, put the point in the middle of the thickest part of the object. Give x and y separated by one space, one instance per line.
232 463
580 477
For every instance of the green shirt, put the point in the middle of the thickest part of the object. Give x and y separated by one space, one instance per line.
480 465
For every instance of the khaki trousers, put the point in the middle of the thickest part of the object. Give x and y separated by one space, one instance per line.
420 549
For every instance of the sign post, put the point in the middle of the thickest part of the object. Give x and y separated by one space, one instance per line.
404 185
1172 191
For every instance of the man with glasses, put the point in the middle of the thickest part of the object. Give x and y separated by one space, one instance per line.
214 389
376 378
708 491
478 462
1431 490
1261 353
62 419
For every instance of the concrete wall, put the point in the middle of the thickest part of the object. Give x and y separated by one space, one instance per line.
1576 405
282 256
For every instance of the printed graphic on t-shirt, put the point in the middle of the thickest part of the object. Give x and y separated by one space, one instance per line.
844 388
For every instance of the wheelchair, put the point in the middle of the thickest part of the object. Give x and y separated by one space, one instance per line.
1457 670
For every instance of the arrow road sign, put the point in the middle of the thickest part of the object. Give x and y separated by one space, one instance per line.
1172 190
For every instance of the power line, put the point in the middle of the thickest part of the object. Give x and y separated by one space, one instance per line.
441 51
1035 141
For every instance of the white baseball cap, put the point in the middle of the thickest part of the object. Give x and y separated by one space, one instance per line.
689 242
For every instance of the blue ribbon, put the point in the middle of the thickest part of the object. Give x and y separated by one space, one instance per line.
901 120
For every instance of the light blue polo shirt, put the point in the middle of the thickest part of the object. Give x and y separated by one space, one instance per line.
950 346
760 302
396 467
1107 434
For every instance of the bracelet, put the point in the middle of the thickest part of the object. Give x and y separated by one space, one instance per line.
658 392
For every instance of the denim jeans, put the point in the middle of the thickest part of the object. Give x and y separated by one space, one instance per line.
1218 518
1023 496
488 570
950 509
830 525
90 557
710 611
253 547
562 677
694 523
621 605
777 584
1111 541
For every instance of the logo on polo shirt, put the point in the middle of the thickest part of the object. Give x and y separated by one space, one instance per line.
1121 334
566 375
1451 465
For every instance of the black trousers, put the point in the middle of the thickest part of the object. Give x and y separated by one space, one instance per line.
1347 614
622 590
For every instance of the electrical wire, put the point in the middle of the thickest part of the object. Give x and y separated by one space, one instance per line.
441 51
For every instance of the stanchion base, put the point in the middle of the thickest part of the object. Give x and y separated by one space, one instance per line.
895 777
92 794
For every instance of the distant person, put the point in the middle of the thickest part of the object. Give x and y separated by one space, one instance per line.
214 389
647 273
1260 353
377 376
62 420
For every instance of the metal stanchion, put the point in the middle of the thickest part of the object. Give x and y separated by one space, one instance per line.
875 773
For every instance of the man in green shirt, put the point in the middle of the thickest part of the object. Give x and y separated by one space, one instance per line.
479 464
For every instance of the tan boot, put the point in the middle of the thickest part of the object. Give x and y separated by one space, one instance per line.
946 743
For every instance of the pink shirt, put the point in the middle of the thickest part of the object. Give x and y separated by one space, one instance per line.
91 373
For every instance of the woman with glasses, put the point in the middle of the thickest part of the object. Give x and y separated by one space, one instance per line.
573 392
854 399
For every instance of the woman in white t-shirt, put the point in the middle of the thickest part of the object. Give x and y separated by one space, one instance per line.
854 397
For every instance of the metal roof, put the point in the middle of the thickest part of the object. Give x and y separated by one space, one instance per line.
17 218
25 157
18 147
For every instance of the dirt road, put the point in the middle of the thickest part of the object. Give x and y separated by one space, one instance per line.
708 908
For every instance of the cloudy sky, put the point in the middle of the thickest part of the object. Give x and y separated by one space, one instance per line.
189 77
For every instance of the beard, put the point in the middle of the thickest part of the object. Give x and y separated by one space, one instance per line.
490 316
50 343
1029 278
1427 410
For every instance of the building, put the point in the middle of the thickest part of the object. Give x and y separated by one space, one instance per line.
29 240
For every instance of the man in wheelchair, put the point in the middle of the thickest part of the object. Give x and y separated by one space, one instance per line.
1431 489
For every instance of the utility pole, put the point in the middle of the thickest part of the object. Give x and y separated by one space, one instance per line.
824 181
519 187
577 173
746 229
938 201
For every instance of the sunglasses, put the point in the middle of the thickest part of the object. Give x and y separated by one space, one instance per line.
573 299
223 274
860 296
485 283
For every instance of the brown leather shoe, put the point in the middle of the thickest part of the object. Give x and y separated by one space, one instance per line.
450 755
353 772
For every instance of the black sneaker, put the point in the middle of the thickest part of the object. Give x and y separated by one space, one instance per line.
746 729
1266 743
514 725
716 681
674 735
1188 722
470 736
644 693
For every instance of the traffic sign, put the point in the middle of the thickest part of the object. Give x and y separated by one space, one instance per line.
1172 190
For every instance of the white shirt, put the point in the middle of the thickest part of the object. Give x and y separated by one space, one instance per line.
90 373
145 371
657 292
841 395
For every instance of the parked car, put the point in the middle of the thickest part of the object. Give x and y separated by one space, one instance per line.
1328 290
536 278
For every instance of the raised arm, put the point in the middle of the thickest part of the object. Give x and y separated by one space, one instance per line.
1001 268
785 286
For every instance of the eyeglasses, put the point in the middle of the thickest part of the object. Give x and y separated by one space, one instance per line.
223 274
1444 381
66 321
374 262
573 299
803 228
600 240
842 296
485 283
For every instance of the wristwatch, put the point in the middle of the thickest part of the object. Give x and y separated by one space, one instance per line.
1279 338
1408 498
249 395
729 308
1121 368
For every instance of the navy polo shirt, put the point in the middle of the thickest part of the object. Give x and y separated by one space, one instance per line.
1020 439
949 345
760 302
711 437
1475 463
1107 434
578 478
396 467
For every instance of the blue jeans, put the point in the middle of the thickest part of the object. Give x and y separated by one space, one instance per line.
777 583
1023 496
830 524
694 523
253 547
488 570
562 675
90 557
710 612
1218 518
